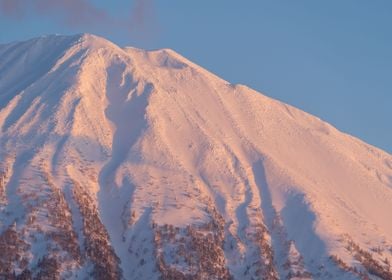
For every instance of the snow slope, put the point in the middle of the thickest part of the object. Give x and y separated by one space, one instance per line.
125 163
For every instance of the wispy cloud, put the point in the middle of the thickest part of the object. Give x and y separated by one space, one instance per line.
75 12
71 12
140 13
12 8
83 13
142 18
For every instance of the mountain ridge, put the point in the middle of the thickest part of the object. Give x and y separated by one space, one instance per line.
159 168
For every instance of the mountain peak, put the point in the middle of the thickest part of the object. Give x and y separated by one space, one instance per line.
94 41
121 163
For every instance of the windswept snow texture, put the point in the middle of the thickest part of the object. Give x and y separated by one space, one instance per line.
131 164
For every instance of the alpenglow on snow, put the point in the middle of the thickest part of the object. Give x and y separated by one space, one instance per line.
121 163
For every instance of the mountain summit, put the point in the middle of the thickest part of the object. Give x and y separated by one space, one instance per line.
121 163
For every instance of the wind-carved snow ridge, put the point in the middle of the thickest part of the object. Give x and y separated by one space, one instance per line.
133 164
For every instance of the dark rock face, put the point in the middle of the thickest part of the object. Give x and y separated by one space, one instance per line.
97 244
370 266
11 249
195 252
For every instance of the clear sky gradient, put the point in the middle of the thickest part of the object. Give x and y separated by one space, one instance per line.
330 58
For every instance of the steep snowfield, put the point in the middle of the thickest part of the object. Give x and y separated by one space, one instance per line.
125 163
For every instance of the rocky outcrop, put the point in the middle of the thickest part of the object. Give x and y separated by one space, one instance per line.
194 252
97 244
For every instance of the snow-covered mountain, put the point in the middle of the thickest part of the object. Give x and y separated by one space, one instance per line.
131 164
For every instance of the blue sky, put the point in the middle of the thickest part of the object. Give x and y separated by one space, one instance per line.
330 58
